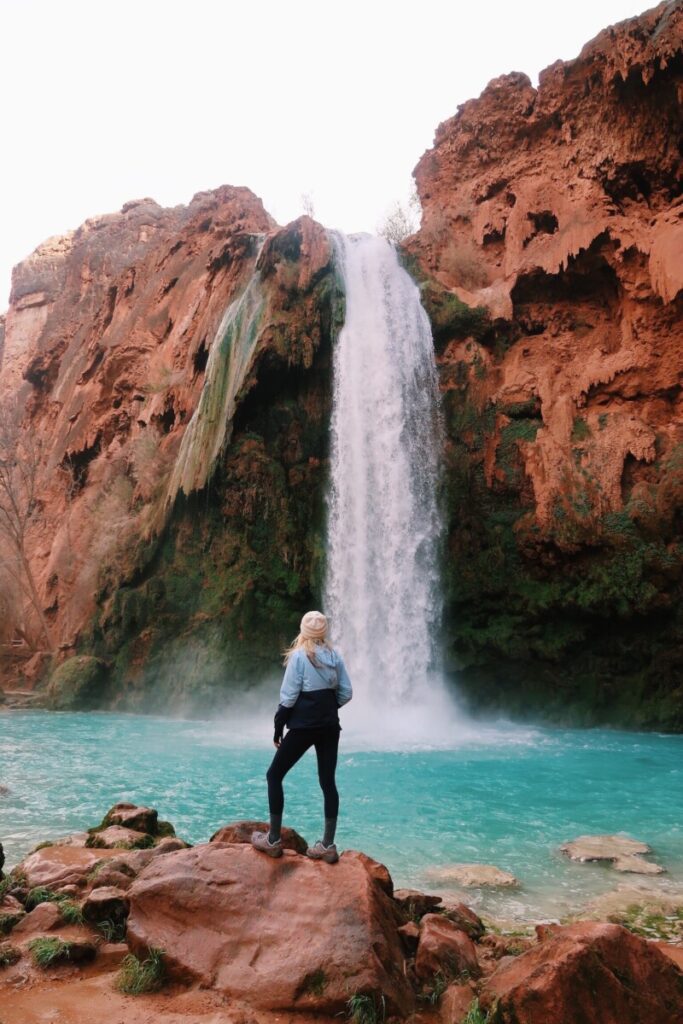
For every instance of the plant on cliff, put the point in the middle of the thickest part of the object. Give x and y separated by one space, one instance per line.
139 976
21 457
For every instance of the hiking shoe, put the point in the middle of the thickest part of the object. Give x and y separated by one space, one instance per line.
320 852
260 841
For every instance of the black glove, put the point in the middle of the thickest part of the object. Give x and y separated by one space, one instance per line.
281 718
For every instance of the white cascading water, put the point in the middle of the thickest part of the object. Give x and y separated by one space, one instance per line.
382 593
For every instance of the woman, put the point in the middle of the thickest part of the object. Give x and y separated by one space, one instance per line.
315 686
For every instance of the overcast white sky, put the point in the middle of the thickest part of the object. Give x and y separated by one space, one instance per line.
101 102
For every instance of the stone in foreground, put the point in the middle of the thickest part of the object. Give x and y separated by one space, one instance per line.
444 949
281 934
587 972
474 875
622 853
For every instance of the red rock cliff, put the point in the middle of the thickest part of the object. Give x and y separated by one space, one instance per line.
560 210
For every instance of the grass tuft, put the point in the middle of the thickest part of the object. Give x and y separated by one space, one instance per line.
46 952
475 1014
39 894
138 976
7 922
113 931
364 1009
70 911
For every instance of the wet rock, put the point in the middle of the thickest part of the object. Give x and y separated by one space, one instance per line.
444 948
46 917
474 875
324 931
106 904
416 904
57 866
10 905
588 972
622 853
119 837
110 878
132 816
240 832
465 919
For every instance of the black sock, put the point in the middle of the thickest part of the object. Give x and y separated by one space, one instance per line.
330 829
275 826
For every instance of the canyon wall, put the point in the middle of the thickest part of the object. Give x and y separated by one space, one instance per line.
557 213
169 372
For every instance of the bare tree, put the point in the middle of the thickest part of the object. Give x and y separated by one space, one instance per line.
402 219
20 463
307 204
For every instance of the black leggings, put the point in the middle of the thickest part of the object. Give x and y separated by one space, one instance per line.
293 747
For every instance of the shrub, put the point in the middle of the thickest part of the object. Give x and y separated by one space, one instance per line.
138 976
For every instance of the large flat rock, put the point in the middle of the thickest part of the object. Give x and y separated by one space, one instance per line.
289 933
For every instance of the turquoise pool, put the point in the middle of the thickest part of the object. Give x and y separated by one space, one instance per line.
506 796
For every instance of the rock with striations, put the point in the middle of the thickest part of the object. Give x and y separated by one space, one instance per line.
587 972
281 934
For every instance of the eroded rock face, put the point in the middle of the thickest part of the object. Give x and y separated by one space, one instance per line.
281 934
558 211
132 364
587 972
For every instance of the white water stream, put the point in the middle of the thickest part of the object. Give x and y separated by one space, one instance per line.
382 593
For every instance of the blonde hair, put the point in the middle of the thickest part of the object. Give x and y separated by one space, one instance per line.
309 647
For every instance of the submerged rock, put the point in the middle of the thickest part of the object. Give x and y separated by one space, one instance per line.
289 933
474 875
587 972
622 853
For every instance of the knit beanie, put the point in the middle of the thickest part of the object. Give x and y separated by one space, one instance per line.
314 626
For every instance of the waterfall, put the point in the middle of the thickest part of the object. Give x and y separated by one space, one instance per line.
230 359
382 590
